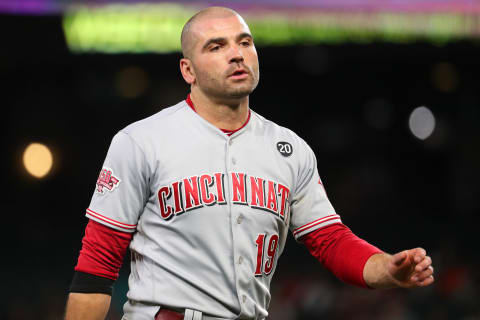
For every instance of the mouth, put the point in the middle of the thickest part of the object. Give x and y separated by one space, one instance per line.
239 74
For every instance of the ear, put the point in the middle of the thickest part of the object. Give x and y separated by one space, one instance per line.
186 68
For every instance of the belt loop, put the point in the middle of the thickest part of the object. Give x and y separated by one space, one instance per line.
197 315
188 314
192 315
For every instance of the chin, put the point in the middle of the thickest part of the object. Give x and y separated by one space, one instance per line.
230 92
240 92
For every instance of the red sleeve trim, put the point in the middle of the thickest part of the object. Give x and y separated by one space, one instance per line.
314 223
341 252
111 221
103 249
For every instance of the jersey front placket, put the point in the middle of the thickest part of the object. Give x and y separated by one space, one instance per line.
258 234
235 221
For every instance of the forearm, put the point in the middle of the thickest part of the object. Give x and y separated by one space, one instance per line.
375 272
87 306
341 252
98 265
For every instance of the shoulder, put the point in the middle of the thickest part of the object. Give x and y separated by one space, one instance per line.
278 133
161 120
147 132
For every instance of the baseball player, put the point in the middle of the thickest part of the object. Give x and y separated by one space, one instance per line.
204 194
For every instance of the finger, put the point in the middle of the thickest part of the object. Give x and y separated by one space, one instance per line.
419 277
426 282
427 262
399 258
419 254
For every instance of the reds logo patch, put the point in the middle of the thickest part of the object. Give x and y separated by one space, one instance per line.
106 181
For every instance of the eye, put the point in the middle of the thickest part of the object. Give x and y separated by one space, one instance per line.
245 43
215 48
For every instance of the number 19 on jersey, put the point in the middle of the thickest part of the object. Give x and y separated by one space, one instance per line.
266 245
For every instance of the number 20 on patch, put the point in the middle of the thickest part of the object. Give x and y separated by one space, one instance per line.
266 246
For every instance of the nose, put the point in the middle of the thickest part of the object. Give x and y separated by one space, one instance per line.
236 54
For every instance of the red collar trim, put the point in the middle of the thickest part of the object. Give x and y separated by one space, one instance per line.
190 103
226 131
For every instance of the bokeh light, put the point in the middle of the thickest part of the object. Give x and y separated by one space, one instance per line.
156 27
422 122
38 160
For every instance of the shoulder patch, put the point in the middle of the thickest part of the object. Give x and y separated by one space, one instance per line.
285 148
107 181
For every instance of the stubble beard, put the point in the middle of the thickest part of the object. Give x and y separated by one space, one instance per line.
239 92
226 91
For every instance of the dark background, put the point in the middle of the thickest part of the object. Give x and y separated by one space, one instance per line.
351 103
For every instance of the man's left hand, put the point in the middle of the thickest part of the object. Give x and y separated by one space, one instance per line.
406 269
411 268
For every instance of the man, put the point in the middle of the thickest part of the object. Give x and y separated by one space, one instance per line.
204 193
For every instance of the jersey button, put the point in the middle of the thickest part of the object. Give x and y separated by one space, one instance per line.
230 142
240 260
234 161
239 219
244 298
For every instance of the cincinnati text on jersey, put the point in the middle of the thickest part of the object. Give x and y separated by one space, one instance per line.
209 189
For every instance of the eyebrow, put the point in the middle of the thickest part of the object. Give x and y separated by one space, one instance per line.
244 35
223 39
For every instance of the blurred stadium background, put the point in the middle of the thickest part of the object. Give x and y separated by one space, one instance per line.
386 92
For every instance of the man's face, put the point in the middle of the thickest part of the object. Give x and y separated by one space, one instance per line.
224 57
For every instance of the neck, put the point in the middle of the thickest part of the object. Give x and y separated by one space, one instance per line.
226 114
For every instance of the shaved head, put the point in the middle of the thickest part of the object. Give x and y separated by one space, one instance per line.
219 57
188 39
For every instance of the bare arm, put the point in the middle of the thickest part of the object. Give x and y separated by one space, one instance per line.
406 269
87 306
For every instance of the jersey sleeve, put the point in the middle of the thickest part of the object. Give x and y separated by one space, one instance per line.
310 207
122 186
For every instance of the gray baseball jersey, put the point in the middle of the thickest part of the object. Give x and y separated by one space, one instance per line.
210 212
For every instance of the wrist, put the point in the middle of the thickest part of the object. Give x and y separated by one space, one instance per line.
376 274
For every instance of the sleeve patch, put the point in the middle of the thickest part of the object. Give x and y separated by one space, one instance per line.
107 181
